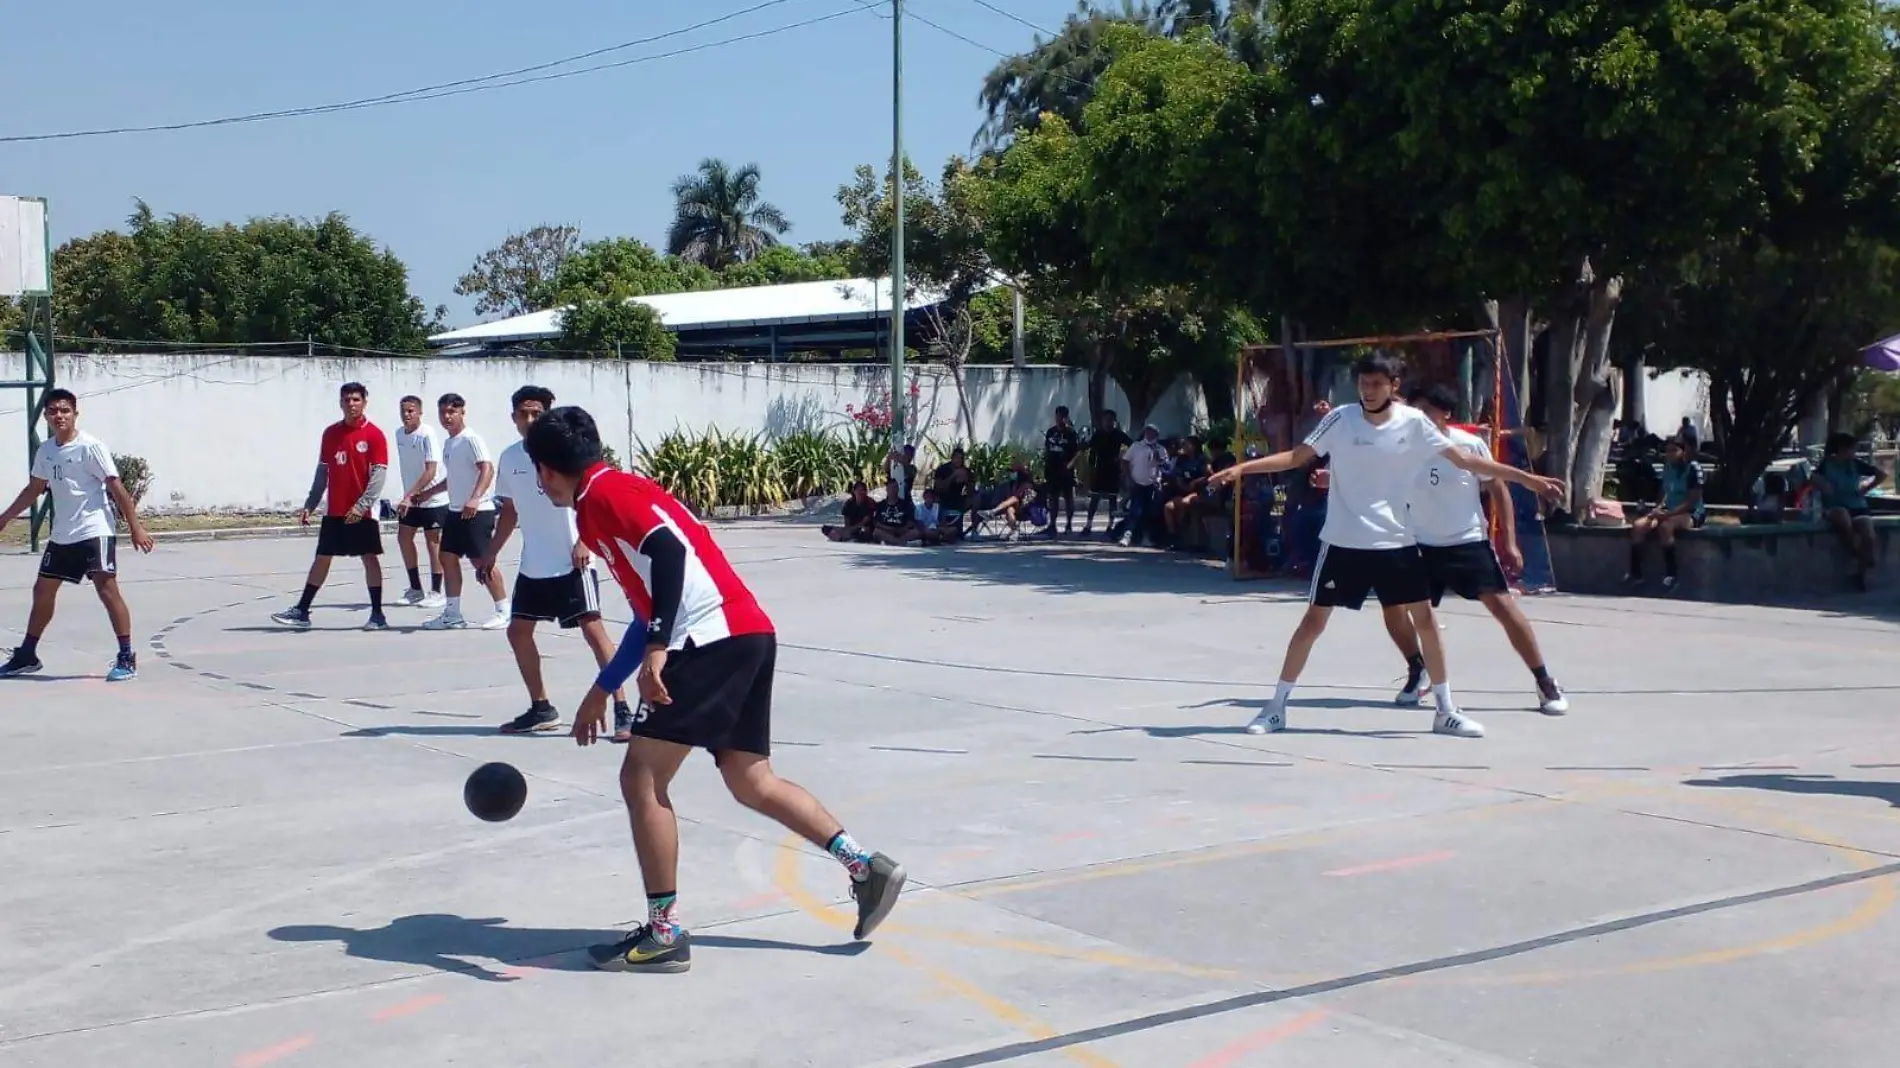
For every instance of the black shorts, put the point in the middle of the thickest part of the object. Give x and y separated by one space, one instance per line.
426 518
1470 570
570 599
468 538
1343 577
81 559
1059 477
1105 482
722 696
361 538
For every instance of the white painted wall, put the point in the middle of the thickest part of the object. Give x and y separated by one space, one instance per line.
1669 396
241 431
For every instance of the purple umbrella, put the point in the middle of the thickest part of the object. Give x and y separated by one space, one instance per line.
1883 355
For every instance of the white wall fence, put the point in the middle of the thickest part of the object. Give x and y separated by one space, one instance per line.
236 432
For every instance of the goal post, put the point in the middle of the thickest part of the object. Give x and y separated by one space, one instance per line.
1279 391
26 276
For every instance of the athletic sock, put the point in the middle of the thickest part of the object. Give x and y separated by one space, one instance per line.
455 606
1281 692
415 579
1669 560
501 608
309 595
375 598
125 646
851 855
1541 674
29 645
1414 670
663 916
1441 693
435 583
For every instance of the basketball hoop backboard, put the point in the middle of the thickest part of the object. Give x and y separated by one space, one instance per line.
26 263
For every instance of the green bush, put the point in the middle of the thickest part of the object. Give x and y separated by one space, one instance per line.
135 475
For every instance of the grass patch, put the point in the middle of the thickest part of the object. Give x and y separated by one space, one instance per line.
15 534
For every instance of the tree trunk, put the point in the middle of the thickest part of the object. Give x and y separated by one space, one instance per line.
1512 317
1560 387
1635 393
1595 397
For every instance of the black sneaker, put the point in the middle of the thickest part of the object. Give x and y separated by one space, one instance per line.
539 717
376 622
293 617
641 952
877 894
623 722
20 663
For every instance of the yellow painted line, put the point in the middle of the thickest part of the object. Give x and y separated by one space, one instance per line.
786 878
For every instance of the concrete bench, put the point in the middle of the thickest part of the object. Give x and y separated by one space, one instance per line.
1781 563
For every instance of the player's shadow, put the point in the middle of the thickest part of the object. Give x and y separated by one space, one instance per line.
54 678
276 628
439 730
489 950
1808 784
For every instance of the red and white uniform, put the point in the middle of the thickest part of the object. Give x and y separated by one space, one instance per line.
348 454
616 511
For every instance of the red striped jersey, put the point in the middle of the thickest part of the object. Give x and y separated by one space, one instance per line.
617 511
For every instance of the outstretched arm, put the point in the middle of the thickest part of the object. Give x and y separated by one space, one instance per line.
1298 456
1487 468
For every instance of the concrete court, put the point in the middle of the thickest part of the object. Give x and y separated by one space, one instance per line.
257 853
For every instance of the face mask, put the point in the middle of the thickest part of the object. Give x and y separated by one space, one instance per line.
1380 408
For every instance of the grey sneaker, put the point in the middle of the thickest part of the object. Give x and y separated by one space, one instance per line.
293 617
641 952
877 894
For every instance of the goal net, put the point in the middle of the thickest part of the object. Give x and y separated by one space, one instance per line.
1281 393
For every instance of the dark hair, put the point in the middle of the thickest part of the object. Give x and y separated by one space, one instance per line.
353 389
1438 395
451 400
410 399
532 393
1379 364
564 440
1835 442
53 396
1062 409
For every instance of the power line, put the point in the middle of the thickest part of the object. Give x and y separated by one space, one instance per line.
1013 17
468 85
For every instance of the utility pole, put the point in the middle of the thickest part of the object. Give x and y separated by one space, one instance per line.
898 398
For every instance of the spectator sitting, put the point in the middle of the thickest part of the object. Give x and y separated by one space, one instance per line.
895 520
1184 485
931 522
1014 506
1681 510
952 481
1771 501
1842 480
857 516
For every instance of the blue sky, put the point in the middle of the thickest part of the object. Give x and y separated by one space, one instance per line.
441 181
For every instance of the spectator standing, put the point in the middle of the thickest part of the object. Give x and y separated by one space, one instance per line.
1146 463
1105 466
952 481
1061 446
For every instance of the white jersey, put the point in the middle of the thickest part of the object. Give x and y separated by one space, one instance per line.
76 472
1372 470
548 531
414 452
1447 505
462 455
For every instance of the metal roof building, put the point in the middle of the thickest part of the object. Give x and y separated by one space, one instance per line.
760 321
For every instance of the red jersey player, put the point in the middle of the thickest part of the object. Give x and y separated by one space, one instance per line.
351 466
705 664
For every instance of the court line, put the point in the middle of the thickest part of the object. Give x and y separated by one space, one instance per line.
1259 1040
409 1008
1012 1051
271 1054
170 756
1397 864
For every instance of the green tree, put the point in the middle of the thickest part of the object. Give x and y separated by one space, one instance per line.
516 277
719 218
614 324
784 265
630 267
177 279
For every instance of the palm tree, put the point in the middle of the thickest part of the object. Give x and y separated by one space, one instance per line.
718 218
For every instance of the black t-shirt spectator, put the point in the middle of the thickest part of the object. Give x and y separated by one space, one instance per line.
1105 449
1059 446
951 496
1189 468
896 513
856 511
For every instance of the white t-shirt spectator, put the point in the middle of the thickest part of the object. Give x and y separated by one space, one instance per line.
1146 461
76 473
1371 471
1447 506
548 531
413 451
461 455
929 515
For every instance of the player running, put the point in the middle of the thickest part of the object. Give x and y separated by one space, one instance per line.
556 582
469 478
1376 449
423 505
88 500
1446 515
351 466
705 663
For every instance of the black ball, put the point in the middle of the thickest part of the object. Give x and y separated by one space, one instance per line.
495 792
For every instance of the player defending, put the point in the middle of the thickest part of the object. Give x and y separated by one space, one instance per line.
1447 517
423 505
1376 449
351 466
705 661
78 468
470 482
556 582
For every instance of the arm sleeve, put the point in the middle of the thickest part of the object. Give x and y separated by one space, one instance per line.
373 492
625 661
318 484
666 583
